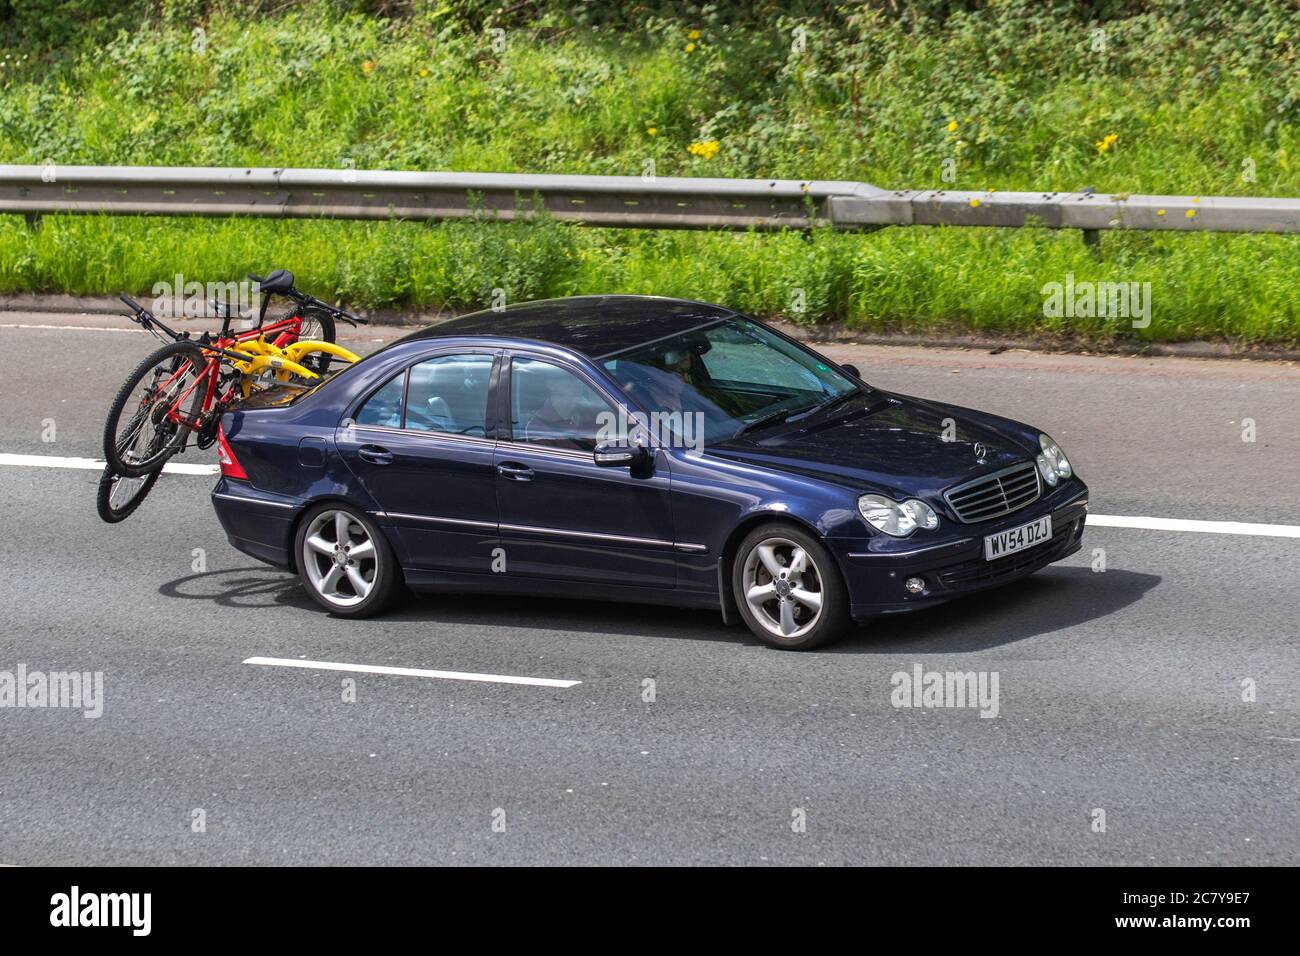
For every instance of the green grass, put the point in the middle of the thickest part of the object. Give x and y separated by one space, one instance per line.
1197 101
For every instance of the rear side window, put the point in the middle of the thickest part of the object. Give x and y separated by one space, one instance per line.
385 406
449 394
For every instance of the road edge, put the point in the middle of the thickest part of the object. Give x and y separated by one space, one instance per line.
831 332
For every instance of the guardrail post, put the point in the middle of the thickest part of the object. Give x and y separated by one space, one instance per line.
33 220
1092 240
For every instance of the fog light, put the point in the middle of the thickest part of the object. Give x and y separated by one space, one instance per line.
915 585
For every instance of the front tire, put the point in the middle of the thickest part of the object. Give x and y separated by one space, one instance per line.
788 588
345 561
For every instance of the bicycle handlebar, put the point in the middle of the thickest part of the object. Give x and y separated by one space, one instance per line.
135 306
305 299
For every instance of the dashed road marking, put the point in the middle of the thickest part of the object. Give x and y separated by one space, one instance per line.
409 672
1184 524
97 464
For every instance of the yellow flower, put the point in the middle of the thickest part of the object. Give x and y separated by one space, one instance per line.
693 35
651 130
1106 142
424 71
1191 213
974 203
1160 212
705 150
690 48
368 66
952 126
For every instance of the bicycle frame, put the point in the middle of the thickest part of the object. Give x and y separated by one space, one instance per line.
286 332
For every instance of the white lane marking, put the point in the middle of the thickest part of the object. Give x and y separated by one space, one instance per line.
1100 521
97 464
1184 524
67 328
410 672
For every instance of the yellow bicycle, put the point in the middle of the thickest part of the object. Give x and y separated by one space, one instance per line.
267 364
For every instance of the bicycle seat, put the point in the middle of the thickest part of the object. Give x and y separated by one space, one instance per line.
281 280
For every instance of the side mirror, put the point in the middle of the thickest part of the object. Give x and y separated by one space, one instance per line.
620 455
851 369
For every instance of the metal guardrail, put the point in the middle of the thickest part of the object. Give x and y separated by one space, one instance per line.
618 201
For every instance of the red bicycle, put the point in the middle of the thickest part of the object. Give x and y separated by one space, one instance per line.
186 385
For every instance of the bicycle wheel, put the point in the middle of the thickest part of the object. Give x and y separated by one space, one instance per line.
318 325
139 434
118 496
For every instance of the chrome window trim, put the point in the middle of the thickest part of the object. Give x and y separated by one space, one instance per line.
550 449
450 436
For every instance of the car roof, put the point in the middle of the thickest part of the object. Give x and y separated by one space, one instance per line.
593 325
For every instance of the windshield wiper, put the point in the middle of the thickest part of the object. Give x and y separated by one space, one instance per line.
772 419
837 400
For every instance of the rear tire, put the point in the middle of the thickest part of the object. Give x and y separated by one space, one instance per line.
344 560
317 324
118 496
788 588
136 440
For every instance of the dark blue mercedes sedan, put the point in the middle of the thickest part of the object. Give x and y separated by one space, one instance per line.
640 449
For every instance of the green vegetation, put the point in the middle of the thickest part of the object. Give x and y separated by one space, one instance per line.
1169 97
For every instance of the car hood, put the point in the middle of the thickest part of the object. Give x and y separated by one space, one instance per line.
894 444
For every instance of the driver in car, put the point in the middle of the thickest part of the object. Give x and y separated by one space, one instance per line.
555 422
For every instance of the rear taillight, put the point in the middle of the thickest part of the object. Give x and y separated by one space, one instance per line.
230 467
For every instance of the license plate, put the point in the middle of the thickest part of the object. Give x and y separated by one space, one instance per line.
1017 539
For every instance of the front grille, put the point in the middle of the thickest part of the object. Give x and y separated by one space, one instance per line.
995 495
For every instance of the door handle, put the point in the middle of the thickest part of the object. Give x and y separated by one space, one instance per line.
375 454
514 471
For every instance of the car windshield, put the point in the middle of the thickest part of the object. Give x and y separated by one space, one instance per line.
731 376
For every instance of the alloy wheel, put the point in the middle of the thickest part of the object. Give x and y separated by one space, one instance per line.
783 587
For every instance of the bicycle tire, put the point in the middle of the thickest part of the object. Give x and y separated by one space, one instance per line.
320 362
167 444
108 481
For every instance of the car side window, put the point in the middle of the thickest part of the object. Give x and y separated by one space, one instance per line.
449 394
549 405
385 406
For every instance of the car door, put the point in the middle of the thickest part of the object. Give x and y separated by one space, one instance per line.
562 516
421 446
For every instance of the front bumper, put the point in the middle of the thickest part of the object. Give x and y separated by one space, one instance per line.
875 568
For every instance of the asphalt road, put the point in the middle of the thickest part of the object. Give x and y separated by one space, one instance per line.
1120 691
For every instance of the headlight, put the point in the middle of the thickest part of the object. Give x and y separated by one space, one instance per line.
897 518
1052 462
